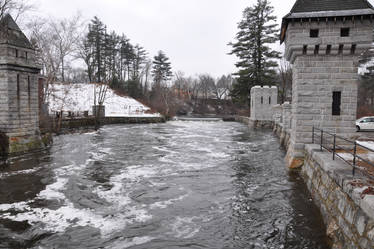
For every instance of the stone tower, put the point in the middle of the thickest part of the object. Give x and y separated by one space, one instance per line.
19 108
324 40
262 101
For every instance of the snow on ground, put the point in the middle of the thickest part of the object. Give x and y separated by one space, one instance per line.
78 98
368 144
367 155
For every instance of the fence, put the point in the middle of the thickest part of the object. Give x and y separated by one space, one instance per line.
338 145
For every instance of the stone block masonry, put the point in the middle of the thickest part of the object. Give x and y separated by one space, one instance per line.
262 101
325 77
347 212
19 102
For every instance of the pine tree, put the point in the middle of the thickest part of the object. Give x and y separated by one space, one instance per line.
161 71
256 65
94 49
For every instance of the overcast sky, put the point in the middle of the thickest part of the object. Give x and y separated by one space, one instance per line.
193 33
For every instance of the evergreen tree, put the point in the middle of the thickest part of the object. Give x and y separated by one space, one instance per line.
93 50
256 65
161 71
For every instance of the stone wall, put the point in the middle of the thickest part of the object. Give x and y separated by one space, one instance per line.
347 211
90 121
323 65
262 101
254 124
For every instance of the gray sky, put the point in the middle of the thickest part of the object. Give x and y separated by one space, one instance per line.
193 33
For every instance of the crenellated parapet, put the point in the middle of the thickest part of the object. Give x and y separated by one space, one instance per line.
324 41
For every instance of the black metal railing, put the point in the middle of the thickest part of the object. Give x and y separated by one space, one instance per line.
338 145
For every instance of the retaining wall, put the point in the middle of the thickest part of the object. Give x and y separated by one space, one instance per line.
345 202
90 121
347 211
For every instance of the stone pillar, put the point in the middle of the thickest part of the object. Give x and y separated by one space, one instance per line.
286 116
262 101
95 111
277 114
19 104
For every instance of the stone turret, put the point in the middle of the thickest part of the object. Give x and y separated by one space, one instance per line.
324 41
262 101
19 108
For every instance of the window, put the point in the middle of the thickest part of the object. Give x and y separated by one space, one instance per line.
353 49
29 88
316 49
16 53
26 55
314 33
328 49
305 49
336 103
344 32
262 100
341 47
18 86
269 100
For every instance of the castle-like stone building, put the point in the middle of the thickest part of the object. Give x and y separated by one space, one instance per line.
324 41
262 101
19 108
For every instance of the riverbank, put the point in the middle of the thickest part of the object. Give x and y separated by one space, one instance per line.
346 202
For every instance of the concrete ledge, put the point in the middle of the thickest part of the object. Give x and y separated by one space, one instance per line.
87 122
347 210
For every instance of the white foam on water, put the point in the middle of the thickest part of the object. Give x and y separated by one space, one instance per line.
20 172
59 220
165 204
54 190
18 206
138 172
107 151
184 227
219 155
126 243
164 149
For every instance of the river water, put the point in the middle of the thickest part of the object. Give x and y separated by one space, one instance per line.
173 185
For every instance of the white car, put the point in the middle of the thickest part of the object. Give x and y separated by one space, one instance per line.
365 123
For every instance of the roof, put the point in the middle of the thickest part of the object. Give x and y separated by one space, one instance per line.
11 34
326 9
329 5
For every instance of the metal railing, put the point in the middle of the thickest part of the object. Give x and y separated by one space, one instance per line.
338 145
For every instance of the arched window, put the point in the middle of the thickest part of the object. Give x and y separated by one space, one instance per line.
262 100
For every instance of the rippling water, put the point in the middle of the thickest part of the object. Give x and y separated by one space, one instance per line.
173 185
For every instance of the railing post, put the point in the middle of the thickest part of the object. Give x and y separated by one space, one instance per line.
321 140
334 149
313 135
354 158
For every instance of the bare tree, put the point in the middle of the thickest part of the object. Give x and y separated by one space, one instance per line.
67 35
15 7
285 73
207 85
56 41
223 87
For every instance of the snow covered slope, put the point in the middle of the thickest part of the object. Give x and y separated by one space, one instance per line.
78 98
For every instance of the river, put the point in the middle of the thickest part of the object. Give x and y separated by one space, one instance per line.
173 185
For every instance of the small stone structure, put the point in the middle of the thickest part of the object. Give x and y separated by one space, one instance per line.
98 111
19 105
324 40
262 101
